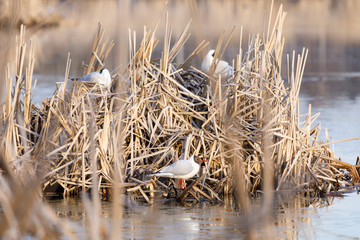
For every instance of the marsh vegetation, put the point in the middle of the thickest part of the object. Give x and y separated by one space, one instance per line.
86 140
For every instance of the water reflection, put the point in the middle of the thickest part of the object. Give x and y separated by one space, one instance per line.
294 217
332 89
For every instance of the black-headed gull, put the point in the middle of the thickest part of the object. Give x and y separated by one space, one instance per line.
182 169
222 68
103 77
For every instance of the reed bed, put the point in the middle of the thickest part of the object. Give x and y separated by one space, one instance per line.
247 128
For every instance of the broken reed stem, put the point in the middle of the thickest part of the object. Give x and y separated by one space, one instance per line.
167 103
19 178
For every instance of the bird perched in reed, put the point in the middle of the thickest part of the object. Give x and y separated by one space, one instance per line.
222 67
182 169
103 77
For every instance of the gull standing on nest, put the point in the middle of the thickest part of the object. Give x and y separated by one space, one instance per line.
182 169
222 68
103 77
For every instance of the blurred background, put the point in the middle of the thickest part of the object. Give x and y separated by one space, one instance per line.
328 28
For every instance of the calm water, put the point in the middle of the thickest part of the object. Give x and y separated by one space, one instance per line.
337 100
293 218
331 85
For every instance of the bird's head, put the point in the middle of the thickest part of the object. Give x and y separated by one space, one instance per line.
106 77
207 61
211 53
104 71
198 160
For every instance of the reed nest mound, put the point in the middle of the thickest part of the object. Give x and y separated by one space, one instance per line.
247 128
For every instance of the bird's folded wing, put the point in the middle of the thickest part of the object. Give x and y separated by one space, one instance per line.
94 76
223 68
181 167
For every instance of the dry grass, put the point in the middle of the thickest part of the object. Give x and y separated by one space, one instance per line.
241 121
247 128
32 13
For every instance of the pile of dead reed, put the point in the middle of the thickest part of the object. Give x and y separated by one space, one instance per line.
83 134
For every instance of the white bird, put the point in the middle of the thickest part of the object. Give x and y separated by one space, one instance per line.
103 77
222 68
182 169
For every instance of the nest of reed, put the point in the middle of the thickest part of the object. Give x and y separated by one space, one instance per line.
87 137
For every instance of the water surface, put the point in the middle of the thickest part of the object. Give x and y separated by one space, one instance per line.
331 85
293 217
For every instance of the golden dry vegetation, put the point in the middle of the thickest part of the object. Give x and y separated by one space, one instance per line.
247 128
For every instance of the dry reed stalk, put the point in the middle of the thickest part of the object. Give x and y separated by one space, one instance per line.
18 178
237 124
248 129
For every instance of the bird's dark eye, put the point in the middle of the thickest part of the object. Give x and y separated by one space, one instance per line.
213 55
